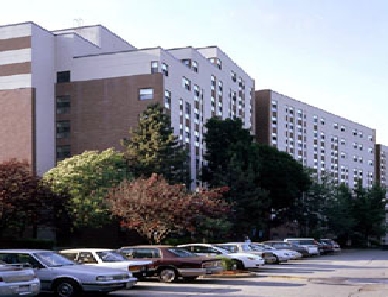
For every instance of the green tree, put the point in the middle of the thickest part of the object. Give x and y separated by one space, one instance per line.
311 208
285 178
339 214
87 179
233 161
153 148
369 212
226 142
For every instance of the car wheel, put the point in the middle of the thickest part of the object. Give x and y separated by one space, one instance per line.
167 275
277 261
66 288
239 265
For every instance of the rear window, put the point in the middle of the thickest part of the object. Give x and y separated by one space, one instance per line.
302 241
182 253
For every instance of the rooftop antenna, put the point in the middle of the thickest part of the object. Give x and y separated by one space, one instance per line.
78 22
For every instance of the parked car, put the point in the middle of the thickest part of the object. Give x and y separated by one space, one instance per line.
108 258
290 253
282 245
66 278
243 260
173 262
310 243
16 280
242 247
331 246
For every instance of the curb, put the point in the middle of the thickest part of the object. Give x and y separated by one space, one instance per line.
233 275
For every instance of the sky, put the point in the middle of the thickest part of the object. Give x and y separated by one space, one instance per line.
327 53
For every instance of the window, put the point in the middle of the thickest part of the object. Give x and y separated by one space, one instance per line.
63 104
146 94
186 83
63 76
63 151
196 93
187 62
165 69
219 64
322 121
343 129
343 141
233 76
167 98
194 66
188 109
220 87
154 67
212 82
63 129
335 126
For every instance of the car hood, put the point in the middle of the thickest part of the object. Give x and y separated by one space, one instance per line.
95 270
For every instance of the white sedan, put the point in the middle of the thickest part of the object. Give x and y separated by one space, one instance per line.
245 260
280 256
65 278
108 258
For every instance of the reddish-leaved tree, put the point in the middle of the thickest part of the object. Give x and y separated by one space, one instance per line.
155 208
25 200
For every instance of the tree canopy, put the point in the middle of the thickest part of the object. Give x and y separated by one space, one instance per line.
26 201
87 177
153 148
156 209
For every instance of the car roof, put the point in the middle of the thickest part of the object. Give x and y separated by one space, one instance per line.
146 246
198 244
87 250
299 238
23 250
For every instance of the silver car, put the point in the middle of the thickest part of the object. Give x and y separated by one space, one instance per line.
16 280
66 278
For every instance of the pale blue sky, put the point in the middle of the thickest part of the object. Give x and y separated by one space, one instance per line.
332 54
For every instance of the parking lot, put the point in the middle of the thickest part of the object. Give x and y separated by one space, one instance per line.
352 273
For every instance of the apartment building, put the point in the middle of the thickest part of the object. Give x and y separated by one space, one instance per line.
67 91
318 139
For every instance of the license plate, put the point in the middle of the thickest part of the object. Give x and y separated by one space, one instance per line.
134 268
24 288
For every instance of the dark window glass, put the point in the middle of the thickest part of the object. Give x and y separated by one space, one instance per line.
63 129
63 104
63 76
63 151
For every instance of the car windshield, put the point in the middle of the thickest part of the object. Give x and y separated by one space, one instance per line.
228 248
52 259
182 253
256 248
110 256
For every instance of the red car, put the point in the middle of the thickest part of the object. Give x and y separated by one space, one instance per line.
173 262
